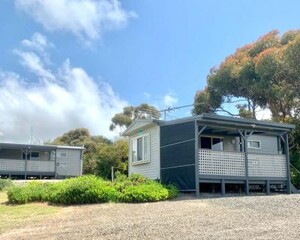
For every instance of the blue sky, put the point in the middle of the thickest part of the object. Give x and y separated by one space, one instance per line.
66 64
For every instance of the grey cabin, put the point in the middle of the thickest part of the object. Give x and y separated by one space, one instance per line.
40 161
211 149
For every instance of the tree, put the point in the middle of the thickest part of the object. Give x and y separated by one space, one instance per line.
129 114
112 155
81 137
262 74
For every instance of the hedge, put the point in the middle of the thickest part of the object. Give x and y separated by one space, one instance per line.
91 189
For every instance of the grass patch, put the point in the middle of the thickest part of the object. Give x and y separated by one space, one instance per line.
13 216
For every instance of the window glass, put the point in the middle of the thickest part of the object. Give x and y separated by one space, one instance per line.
35 155
254 144
141 148
211 143
134 150
146 148
206 142
217 144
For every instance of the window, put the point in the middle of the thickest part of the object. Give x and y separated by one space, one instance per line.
61 164
254 144
31 156
35 156
63 155
212 143
141 148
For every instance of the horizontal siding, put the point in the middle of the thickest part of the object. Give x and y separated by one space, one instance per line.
269 144
151 169
229 145
71 165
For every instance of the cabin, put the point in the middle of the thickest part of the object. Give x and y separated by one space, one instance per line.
210 149
27 161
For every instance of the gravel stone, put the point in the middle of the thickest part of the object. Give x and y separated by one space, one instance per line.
188 217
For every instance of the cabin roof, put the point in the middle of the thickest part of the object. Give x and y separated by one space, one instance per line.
215 120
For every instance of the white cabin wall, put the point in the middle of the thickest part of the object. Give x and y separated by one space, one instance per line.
152 168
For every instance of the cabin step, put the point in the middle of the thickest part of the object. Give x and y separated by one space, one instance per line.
294 189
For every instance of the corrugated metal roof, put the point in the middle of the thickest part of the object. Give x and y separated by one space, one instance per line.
214 119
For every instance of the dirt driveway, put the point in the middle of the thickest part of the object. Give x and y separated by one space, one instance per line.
254 217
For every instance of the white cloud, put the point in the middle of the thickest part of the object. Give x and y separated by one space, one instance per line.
170 100
34 64
87 19
263 114
38 42
147 95
72 99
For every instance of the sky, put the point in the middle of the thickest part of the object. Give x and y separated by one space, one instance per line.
68 64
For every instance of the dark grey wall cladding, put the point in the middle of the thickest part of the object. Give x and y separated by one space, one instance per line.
176 133
183 177
178 154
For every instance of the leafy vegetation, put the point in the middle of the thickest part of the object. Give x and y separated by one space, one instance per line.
92 189
263 74
100 153
5 183
122 120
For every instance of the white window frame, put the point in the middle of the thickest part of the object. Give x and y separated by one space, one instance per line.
211 141
252 147
145 149
60 155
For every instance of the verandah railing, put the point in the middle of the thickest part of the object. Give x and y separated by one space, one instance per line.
32 165
222 163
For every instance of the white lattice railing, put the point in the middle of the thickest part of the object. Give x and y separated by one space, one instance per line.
32 165
221 163
12 165
40 166
233 164
262 165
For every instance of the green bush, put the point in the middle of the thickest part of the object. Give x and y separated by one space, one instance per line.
91 189
5 183
150 191
173 191
32 192
82 190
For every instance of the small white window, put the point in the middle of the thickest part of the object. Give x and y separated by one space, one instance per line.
212 143
254 144
63 155
141 148
62 164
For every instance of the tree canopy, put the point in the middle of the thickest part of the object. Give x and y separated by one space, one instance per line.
124 119
100 153
263 74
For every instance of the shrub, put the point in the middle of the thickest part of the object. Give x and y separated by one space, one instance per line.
150 191
173 191
82 190
5 183
91 189
32 192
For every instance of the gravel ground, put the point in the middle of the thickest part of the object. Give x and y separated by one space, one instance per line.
254 217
